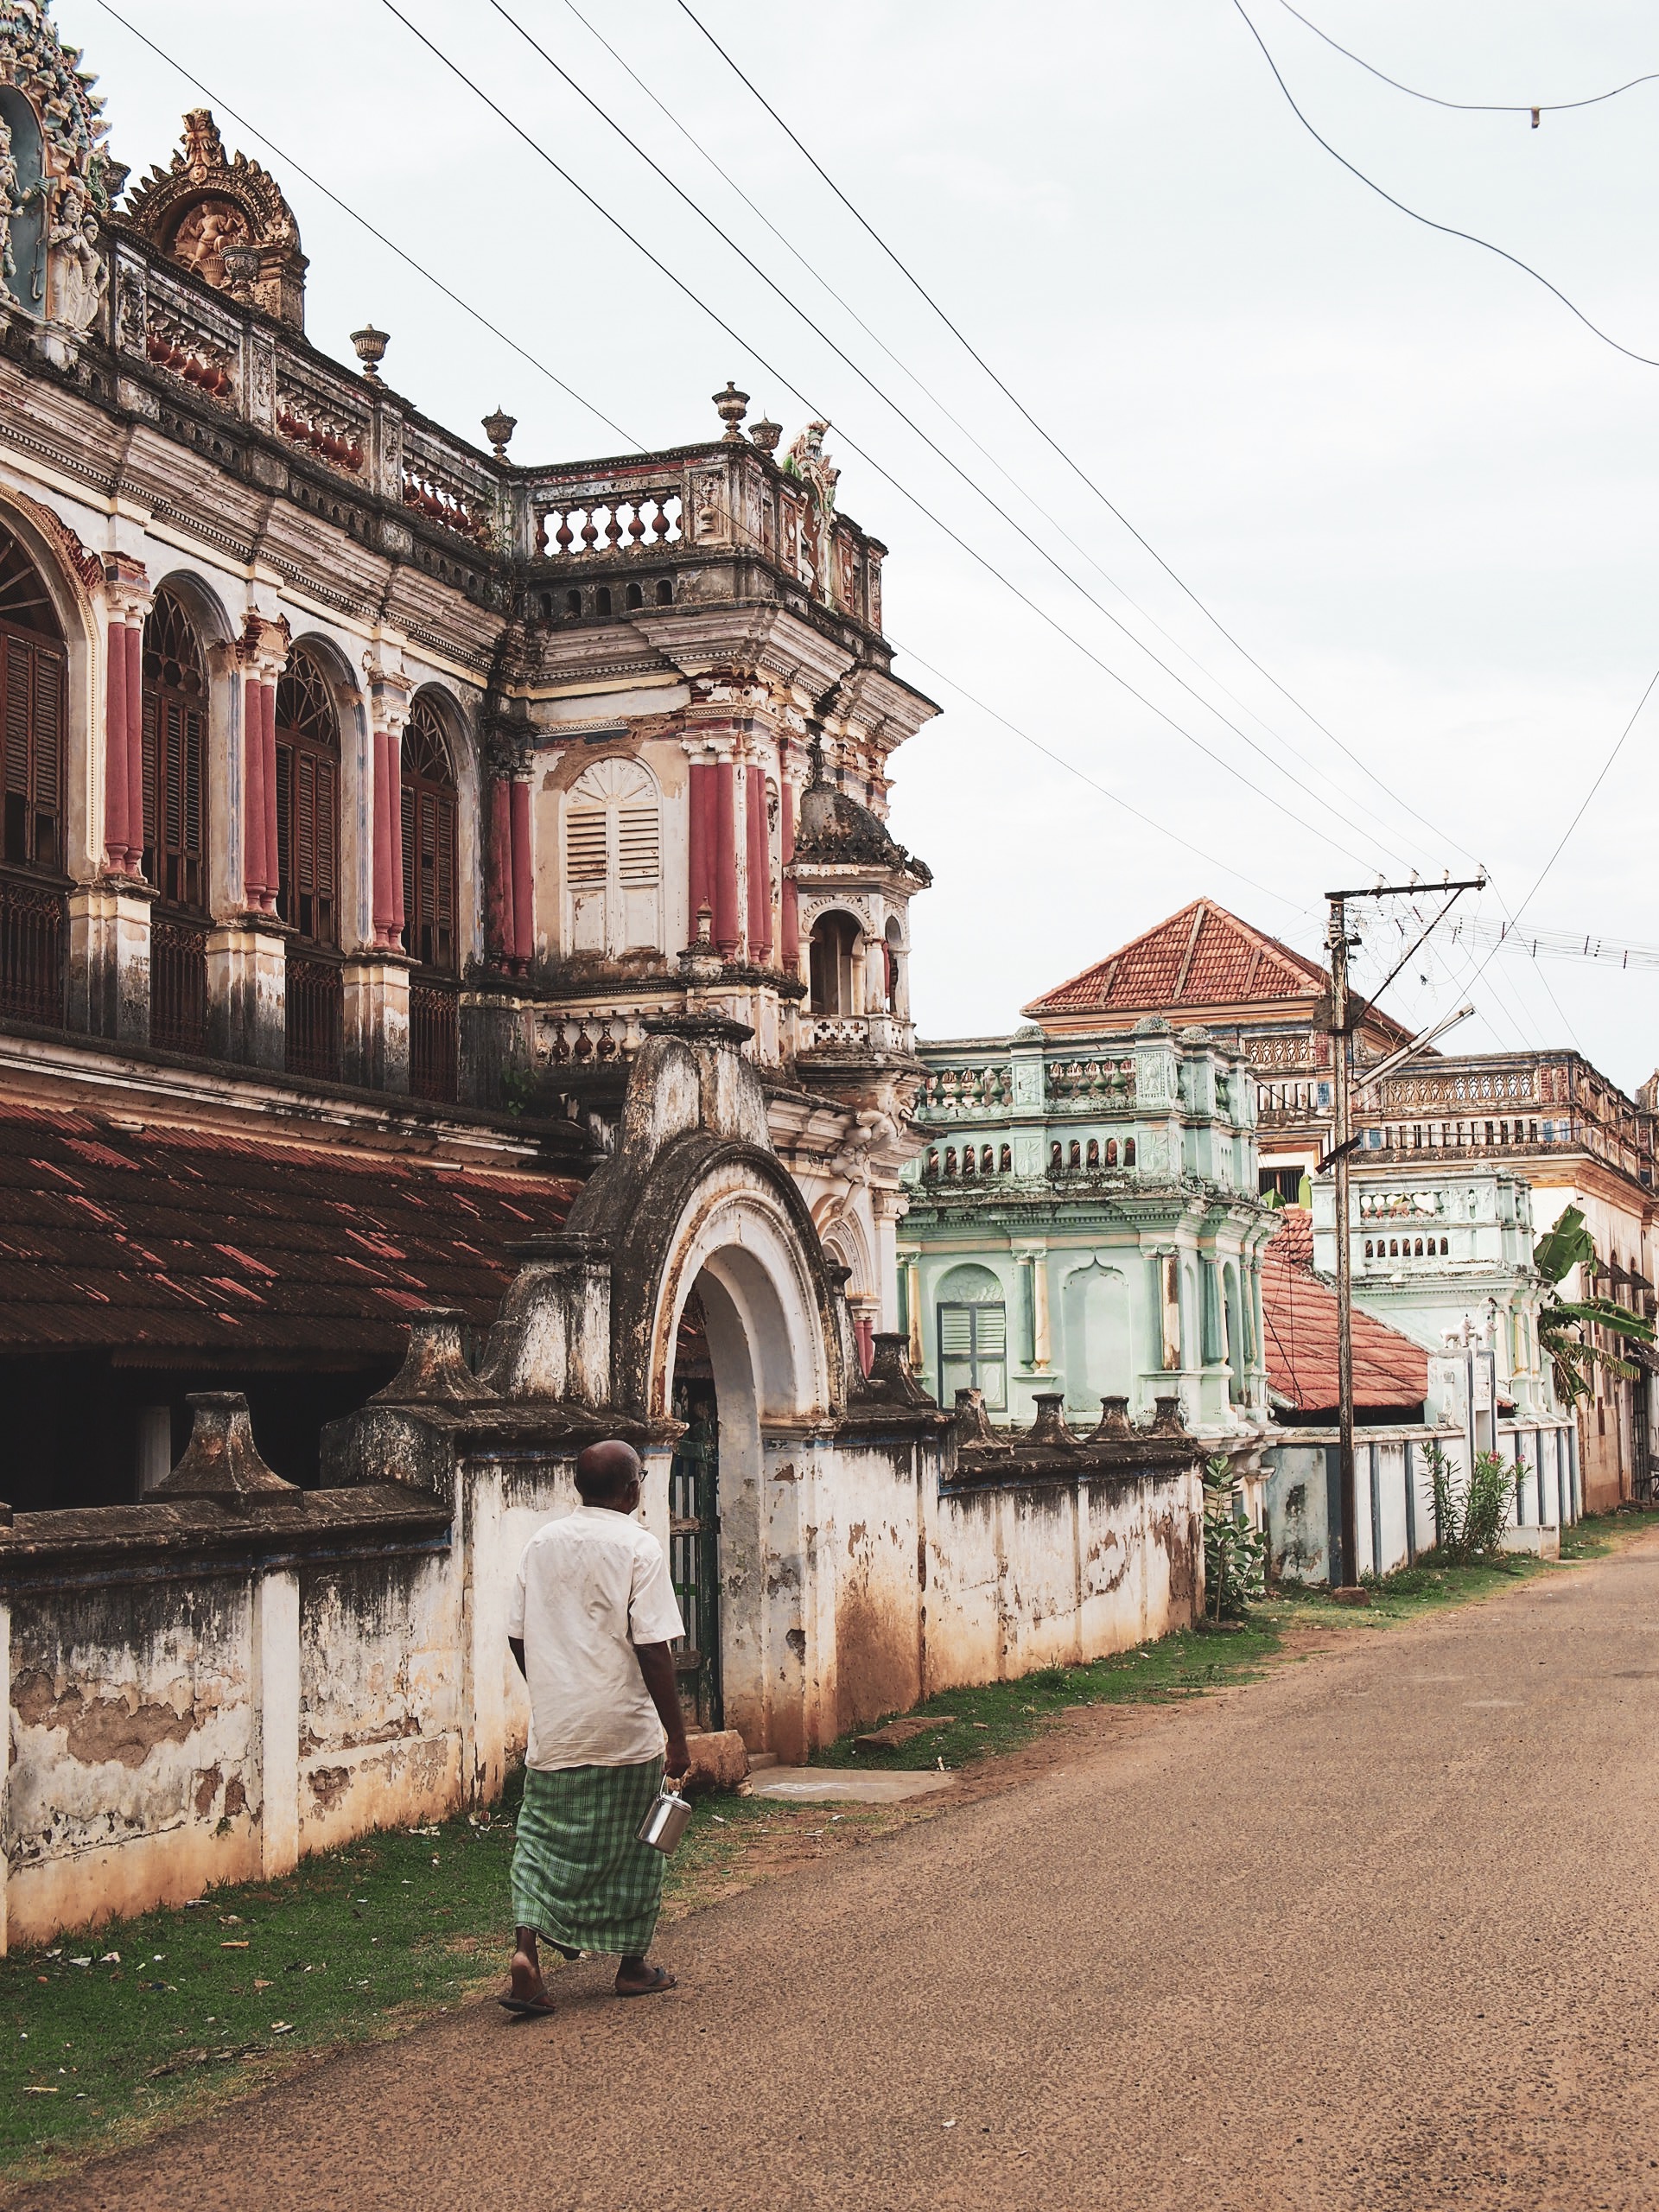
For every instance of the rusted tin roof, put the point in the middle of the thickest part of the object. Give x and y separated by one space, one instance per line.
155 1239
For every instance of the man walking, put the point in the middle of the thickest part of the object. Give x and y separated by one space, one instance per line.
592 1618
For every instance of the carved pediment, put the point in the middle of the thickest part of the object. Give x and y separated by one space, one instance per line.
225 220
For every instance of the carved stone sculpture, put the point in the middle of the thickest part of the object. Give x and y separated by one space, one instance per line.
205 206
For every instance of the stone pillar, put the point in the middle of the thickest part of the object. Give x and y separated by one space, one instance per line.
276 1694
376 1020
789 920
913 1311
127 601
109 959
760 868
699 881
389 709
524 908
498 920
246 996
117 831
727 928
263 653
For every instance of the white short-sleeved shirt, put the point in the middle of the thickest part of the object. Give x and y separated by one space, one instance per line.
590 1587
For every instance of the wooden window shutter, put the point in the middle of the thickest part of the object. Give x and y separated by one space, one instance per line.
586 845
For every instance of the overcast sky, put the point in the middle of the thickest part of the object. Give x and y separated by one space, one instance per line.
1401 475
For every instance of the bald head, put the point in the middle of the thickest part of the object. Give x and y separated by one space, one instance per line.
608 1474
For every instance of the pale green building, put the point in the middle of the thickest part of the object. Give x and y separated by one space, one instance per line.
1084 1220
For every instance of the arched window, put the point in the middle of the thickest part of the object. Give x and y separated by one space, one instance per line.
833 944
1369 1252
176 756
429 800
1111 1152
636 598
1446 1247
1129 1151
32 669
969 1159
572 602
988 1161
949 1160
1094 1151
1005 1161
933 1167
1056 1158
664 591
1074 1156
602 600
971 1317
24 276
613 865
308 803
892 946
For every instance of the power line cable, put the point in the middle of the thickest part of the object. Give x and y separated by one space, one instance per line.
1534 108
1047 437
362 221
1447 230
225 106
886 475
958 424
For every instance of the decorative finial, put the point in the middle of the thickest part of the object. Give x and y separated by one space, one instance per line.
498 430
765 434
732 405
371 346
241 271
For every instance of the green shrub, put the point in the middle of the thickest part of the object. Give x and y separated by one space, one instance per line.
1235 1554
1469 1519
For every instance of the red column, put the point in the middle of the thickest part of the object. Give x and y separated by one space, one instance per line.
864 1336
759 870
383 908
134 643
267 718
253 806
725 856
115 750
790 914
499 917
395 817
699 881
524 911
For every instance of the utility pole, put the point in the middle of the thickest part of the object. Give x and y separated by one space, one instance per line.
1343 1141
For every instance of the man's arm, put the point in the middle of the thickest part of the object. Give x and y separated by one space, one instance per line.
657 1665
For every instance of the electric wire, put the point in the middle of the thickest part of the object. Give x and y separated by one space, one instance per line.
897 645
363 222
1471 107
958 424
1053 443
911 499
1447 230
910 422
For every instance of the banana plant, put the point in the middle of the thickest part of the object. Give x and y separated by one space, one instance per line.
1563 1323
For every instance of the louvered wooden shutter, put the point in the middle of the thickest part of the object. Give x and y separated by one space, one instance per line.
956 1332
325 860
412 873
637 843
586 846
443 918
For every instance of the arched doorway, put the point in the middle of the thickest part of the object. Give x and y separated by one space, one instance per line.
694 1520
832 949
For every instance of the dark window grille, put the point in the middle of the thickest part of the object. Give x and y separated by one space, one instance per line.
175 757
427 786
308 805
32 680
32 933
434 1041
313 1007
178 984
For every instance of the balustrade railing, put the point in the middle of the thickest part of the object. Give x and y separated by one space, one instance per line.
33 930
433 1040
648 521
314 1006
948 1094
178 983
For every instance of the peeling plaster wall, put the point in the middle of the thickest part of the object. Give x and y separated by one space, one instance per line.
134 1756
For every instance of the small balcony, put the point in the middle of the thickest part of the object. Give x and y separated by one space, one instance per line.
34 930
858 1035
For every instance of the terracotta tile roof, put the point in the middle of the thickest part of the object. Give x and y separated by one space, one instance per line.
1202 956
1298 1311
165 1239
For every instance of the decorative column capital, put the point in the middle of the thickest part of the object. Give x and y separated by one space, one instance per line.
390 691
262 648
126 589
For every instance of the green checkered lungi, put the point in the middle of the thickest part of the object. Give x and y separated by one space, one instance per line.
580 1877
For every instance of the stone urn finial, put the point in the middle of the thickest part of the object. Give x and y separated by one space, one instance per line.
499 428
222 1461
1168 1418
241 271
1049 1428
371 346
973 1423
435 1370
766 434
1114 1426
732 405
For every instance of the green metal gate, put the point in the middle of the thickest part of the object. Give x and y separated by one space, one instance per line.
694 1551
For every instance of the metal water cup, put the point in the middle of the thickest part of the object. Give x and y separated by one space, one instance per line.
666 1822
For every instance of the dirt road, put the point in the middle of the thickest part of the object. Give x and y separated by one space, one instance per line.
1377 1931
